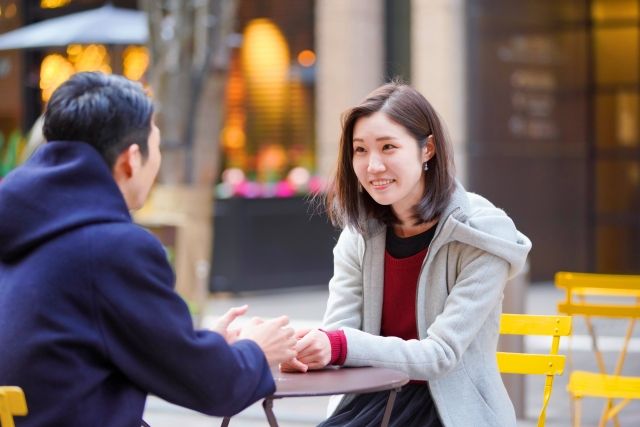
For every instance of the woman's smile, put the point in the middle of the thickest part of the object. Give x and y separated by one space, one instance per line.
381 184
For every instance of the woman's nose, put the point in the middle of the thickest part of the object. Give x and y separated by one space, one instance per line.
375 164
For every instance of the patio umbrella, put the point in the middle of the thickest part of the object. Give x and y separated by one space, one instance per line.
104 25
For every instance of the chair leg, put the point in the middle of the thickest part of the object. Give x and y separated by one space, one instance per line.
594 343
225 422
6 419
610 412
577 408
267 405
387 411
604 419
613 412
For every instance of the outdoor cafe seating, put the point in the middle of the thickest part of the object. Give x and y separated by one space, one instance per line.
335 381
603 296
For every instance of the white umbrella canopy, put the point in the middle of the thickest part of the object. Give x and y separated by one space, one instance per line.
104 25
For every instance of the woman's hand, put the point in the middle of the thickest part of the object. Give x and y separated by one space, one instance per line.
314 351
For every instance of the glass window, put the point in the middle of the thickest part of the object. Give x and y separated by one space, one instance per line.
618 186
616 55
618 248
617 119
616 50
618 10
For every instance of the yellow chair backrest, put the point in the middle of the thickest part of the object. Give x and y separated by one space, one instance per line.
580 286
548 364
12 402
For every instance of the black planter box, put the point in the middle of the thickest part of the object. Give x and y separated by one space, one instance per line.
262 244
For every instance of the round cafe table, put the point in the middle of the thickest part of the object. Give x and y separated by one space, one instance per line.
331 381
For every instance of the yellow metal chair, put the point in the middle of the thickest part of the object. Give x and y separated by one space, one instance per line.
610 296
12 402
550 364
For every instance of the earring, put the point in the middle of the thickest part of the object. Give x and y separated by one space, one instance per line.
425 166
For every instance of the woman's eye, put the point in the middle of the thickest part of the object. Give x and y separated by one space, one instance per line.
358 150
388 146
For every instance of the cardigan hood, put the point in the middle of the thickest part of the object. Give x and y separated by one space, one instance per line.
478 223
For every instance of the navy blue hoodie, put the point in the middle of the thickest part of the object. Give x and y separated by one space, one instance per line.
89 320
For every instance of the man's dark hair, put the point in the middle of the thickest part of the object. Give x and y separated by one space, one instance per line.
407 107
108 112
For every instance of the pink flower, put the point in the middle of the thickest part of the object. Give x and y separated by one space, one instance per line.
284 189
247 189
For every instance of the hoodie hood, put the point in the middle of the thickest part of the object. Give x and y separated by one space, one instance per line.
63 186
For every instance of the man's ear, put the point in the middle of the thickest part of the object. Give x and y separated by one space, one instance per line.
128 162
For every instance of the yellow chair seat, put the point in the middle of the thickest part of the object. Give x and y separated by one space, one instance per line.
591 384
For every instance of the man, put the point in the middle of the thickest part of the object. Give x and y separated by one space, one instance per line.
89 321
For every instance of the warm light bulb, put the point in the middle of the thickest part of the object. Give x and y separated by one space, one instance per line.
306 58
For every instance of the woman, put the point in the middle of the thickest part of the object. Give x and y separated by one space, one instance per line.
419 272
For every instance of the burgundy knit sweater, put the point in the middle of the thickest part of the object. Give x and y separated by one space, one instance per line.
398 306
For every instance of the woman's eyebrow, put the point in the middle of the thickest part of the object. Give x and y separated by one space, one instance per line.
381 138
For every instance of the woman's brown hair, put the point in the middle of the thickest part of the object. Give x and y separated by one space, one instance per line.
346 205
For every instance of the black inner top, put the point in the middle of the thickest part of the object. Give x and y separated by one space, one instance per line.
403 247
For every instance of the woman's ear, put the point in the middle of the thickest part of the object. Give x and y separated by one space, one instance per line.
429 149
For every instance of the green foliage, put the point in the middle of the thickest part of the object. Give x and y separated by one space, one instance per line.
10 151
2 144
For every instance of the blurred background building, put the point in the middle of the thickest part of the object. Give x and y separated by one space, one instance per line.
541 99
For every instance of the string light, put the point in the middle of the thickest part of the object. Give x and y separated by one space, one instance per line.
135 61
56 68
53 4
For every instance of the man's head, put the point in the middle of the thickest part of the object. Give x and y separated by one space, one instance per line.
108 112
115 116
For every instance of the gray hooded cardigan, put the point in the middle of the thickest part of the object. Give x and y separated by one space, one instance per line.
475 250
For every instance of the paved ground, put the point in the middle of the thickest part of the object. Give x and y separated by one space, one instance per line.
306 306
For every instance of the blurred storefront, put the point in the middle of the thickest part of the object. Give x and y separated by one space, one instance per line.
541 102
29 75
540 98
43 69
553 116
266 233
11 114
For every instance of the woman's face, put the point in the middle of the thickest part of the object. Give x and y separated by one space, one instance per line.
388 162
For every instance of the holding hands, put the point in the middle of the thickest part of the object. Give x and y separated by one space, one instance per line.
313 351
306 349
